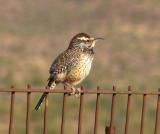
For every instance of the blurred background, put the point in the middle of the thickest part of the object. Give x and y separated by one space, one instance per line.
33 33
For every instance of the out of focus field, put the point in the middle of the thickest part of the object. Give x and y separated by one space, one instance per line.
33 33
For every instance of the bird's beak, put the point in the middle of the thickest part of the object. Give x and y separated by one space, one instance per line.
98 38
95 40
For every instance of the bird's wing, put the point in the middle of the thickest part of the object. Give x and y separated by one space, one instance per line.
64 61
59 67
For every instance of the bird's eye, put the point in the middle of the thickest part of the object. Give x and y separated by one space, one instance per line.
87 40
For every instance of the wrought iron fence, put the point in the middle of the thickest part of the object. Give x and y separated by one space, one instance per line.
108 130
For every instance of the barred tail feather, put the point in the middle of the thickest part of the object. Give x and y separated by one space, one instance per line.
51 84
40 101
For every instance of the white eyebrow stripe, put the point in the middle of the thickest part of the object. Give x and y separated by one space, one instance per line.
83 38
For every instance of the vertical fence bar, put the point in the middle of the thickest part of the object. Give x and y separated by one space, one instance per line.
97 113
110 129
112 111
11 111
63 111
80 113
128 111
143 114
45 115
157 115
28 110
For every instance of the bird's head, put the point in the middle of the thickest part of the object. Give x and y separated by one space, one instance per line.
83 40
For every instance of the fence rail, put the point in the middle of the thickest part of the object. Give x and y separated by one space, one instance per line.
111 129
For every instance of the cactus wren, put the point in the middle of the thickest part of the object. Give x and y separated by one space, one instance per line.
72 65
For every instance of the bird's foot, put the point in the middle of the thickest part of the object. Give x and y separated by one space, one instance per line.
76 92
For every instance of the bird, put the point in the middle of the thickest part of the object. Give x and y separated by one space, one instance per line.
73 65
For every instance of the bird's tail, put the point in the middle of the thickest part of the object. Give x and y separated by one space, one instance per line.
40 101
50 83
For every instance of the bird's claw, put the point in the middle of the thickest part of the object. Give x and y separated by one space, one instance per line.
76 92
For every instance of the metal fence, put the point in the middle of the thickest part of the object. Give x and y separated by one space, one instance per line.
108 130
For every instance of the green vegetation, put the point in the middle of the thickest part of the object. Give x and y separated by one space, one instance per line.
33 33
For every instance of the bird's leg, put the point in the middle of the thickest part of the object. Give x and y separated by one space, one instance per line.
77 95
74 90
71 87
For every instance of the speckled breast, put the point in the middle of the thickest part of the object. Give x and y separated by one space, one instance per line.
80 70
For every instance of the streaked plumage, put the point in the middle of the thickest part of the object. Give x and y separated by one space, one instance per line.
73 65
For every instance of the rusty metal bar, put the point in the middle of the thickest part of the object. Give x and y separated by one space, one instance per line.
89 91
11 111
80 112
157 115
128 111
28 110
97 113
110 129
45 115
112 111
143 114
63 112
107 130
